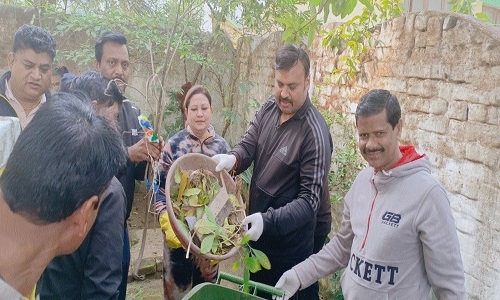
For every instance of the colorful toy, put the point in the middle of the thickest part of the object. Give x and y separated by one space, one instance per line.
148 128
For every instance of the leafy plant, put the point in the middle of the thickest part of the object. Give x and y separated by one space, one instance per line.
346 161
335 287
190 196
353 38
253 261
467 7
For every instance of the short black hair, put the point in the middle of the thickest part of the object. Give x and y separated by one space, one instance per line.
96 87
65 155
108 36
61 70
375 101
288 56
32 37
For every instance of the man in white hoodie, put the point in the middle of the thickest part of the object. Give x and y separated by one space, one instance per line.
398 237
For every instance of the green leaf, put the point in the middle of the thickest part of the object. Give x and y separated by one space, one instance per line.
193 200
262 259
190 192
245 239
483 17
207 244
348 7
236 265
368 4
210 215
252 264
234 200
183 227
204 226
177 175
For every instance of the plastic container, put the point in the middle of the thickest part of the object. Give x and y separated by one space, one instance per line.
195 161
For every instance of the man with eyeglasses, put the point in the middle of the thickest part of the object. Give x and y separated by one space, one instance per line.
26 85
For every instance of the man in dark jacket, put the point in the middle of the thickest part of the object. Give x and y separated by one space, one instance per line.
94 270
290 147
112 60
26 85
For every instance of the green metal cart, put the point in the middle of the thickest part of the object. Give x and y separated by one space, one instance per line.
215 291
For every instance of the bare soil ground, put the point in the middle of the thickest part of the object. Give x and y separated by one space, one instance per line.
139 207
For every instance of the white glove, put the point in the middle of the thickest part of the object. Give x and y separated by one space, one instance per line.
289 282
224 161
257 226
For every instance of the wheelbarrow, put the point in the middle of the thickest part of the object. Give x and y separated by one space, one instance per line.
215 291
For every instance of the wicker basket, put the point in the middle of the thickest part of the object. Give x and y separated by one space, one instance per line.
195 161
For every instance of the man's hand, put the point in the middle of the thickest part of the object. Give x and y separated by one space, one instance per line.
257 227
144 150
289 282
224 161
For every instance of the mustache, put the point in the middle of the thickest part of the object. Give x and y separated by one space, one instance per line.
368 151
281 99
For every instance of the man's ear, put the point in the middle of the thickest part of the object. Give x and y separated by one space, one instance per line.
96 64
10 60
77 226
85 216
399 127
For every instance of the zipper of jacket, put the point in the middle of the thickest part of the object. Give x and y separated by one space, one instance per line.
370 214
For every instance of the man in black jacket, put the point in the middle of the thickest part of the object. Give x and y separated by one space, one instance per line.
112 60
94 270
26 85
290 146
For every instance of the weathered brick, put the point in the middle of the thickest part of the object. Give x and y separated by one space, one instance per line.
436 124
485 155
457 110
438 106
422 88
493 115
478 113
483 133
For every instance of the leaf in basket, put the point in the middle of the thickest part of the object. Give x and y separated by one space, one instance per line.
204 183
190 192
207 244
183 227
234 200
204 226
204 198
190 211
210 215
200 211
228 227
177 175
262 259
252 264
193 200
182 185
215 245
